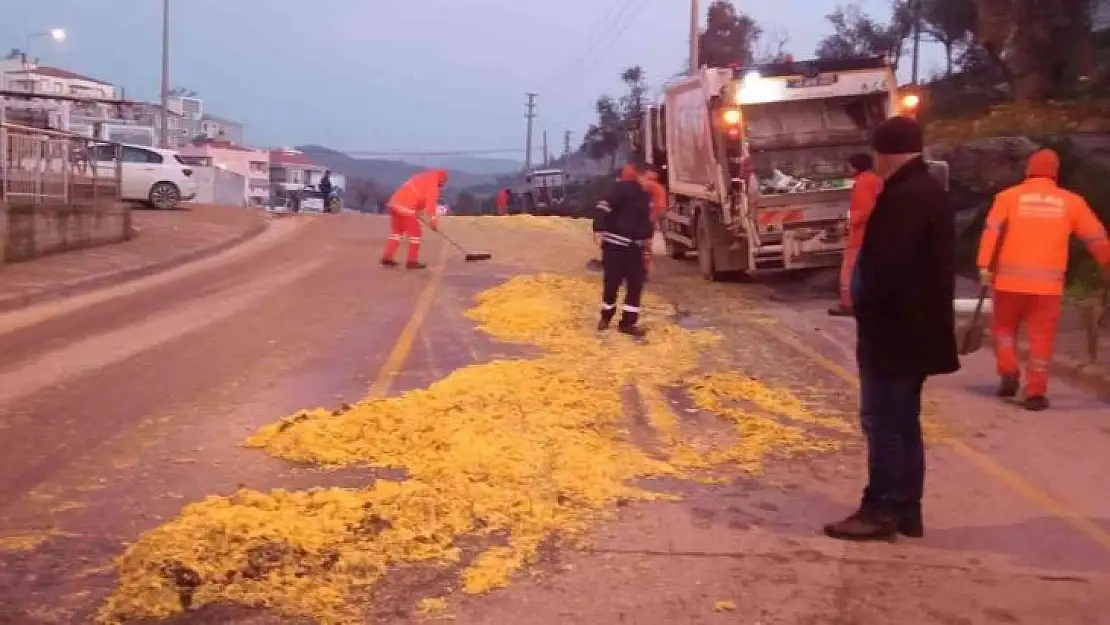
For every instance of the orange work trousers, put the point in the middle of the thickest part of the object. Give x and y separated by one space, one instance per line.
1041 314
403 224
847 266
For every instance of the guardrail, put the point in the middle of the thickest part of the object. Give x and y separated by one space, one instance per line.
46 166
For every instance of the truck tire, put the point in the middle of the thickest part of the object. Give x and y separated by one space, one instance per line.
705 253
675 249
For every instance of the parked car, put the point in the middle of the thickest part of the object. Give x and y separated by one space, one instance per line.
153 176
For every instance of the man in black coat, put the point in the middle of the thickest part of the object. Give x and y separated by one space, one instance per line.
624 229
902 291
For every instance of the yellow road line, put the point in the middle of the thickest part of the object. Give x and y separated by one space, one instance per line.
1015 482
395 361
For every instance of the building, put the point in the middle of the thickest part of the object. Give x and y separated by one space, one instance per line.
219 128
253 165
18 75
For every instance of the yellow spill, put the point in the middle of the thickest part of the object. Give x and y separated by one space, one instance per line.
22 542
500 459
432 607
725 606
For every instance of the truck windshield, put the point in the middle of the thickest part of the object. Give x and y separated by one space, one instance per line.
814 122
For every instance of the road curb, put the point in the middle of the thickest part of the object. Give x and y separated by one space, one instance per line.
92 283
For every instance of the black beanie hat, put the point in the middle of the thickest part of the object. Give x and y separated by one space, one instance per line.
898 135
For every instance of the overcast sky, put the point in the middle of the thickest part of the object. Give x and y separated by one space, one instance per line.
386 75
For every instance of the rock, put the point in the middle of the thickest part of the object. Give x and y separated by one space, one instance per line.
983 166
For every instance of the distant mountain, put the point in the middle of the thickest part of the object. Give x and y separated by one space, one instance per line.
386 174
470 164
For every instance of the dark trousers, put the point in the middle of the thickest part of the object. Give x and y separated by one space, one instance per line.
890 415
622 264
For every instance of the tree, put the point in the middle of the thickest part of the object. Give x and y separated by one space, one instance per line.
772 48
364 193
1037 42
632 103
951 23
729 37
604 138
857 34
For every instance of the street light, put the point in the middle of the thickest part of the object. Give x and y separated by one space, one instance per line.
56 34
164 131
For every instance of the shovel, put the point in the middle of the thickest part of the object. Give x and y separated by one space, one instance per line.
972 339
1094 317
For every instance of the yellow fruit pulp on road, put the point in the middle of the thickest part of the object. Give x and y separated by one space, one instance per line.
500 460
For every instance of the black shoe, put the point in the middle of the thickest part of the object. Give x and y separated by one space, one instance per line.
865 525
1008 386
603 323
1036 403
841 311
415 265
389 262
632 330
910 523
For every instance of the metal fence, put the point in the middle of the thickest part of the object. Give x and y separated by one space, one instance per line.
46 166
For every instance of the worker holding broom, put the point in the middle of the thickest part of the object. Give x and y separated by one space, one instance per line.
659 202
1023 254
418 196
624 227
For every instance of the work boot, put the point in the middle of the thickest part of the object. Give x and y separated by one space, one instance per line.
1035 403
910 523
605 320
865 525
415 264
389 262
1008 386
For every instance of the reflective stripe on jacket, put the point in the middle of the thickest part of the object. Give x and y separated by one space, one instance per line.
1039 218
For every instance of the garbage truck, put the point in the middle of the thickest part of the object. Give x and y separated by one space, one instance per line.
755 159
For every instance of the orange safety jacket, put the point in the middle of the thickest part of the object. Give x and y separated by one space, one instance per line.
865 192
1038 218
419 194
659 199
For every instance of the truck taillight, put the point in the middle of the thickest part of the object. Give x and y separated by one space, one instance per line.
731 117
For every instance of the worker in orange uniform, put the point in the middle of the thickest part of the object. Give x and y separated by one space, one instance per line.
502 201
659 201
1031 224
419 194
866 186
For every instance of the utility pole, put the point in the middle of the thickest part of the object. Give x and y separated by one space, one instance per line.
915 12
566 143
530 115
695 31
546 159
165 126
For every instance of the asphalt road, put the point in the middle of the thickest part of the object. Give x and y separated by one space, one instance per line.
119 407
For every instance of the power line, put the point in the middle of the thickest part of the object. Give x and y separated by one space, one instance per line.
605 35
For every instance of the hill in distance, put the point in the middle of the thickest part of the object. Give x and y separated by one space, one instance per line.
482 166
388 174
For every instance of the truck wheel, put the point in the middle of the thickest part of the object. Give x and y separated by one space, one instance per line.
705 253
675 250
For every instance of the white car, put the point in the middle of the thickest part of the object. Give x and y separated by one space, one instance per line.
154 176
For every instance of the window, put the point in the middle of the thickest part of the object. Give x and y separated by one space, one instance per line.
103 153
137 155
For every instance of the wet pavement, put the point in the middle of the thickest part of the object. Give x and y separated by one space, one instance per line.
121 406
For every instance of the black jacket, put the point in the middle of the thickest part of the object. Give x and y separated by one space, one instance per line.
905 279
325 185
624 214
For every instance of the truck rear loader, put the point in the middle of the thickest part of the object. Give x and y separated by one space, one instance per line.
756 159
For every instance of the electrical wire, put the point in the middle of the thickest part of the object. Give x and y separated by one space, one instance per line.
603 35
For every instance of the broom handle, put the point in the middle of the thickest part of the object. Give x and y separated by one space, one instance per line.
984 289
446 238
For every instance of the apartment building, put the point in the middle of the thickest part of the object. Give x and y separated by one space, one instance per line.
253 165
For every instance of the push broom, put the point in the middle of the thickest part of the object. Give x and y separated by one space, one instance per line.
468 256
